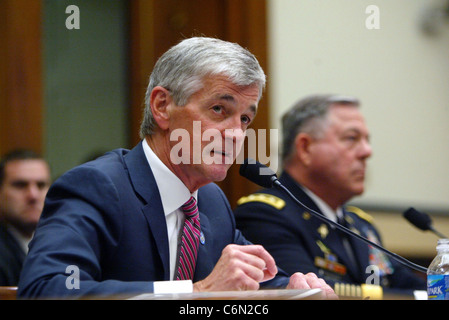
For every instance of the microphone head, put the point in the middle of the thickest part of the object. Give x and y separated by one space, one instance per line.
258 173
419 219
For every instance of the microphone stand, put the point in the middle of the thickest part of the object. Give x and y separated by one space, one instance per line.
400 259
421 221
436 232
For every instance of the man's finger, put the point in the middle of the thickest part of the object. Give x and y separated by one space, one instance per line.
257 251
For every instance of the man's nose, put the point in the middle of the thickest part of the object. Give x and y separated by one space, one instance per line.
33 191
233 128
365 149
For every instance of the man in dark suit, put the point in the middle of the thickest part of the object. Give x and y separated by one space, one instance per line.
325 150
24 182
117 225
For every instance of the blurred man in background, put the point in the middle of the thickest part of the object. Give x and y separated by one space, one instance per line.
24 182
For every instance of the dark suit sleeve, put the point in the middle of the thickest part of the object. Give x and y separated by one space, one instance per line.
80 225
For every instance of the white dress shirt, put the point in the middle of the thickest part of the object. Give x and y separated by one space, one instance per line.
324 207
173 194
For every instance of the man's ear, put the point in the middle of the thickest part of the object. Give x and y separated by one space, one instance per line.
303 141
160 100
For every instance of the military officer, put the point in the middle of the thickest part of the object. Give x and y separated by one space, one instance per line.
325 150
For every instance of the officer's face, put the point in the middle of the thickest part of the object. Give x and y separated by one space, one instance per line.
339 156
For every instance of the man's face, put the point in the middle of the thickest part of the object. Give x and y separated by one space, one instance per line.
23 191
339 157
216 118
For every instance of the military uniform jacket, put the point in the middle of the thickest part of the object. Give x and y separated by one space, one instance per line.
298 241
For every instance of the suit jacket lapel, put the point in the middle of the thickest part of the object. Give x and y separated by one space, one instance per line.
145 186
204 263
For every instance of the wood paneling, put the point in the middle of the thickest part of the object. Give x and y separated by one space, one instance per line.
155 26
20 75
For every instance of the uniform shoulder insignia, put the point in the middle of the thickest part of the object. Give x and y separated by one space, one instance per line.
269 199
362 214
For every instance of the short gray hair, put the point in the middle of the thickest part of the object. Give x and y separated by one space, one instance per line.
182 68
308 115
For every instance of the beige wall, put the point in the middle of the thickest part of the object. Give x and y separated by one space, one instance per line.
401 237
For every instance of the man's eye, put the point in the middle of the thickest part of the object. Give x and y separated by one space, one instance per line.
20 184
246 119
217 109
42 185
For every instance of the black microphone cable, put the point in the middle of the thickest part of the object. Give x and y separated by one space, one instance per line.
252 167
347 231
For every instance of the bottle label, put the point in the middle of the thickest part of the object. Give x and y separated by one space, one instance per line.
438 287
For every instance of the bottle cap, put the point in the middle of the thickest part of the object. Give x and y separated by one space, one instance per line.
442 243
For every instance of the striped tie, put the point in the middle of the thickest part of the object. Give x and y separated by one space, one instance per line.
189 241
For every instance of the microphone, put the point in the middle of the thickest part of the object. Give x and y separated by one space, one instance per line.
421 220
258 173
252 170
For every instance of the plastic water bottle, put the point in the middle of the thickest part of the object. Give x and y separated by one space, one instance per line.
438 273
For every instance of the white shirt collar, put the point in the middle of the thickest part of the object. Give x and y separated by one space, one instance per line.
172 190
323 206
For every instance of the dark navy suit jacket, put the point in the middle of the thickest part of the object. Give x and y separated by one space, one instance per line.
105 218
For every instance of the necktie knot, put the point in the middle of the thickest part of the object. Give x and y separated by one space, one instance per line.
190 208
341 220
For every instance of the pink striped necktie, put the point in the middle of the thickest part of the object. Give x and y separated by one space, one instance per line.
189 241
